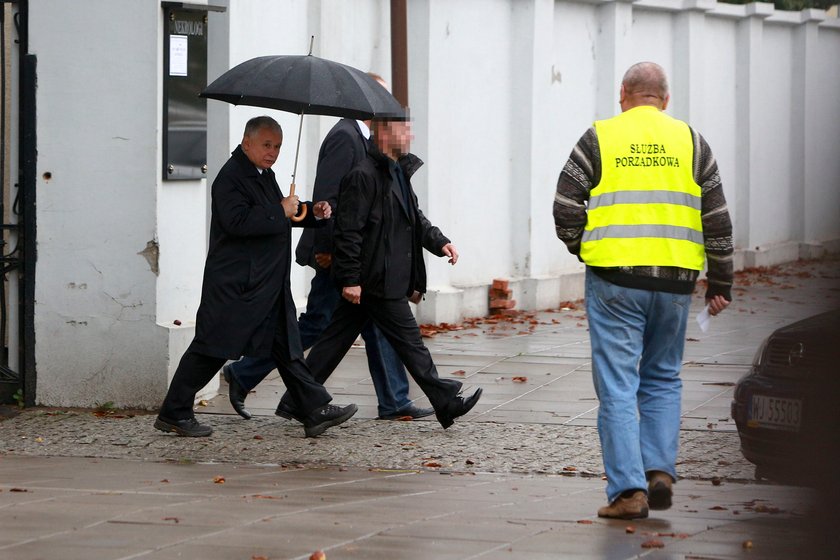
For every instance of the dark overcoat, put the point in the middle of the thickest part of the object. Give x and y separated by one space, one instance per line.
380 234
246 288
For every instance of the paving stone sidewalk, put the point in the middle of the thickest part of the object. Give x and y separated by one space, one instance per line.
537 415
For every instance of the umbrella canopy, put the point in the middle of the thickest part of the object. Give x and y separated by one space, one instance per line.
304 84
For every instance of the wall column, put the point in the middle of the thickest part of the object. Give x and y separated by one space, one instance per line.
614 51
687 103
805 115
748 88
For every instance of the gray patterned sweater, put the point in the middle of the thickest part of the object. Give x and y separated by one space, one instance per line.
582 173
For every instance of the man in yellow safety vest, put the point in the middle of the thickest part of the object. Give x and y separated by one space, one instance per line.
640 202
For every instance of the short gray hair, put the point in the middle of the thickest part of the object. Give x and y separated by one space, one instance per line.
646 78
257 123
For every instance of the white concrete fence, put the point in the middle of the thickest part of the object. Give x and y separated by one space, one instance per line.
500 91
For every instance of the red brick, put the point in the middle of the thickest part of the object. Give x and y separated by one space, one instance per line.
499 284
502 303
506 312
500 294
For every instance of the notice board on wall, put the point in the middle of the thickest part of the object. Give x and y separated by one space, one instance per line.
184 76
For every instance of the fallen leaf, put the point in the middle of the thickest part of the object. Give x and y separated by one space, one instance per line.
570 469
203 402
219 479
629 529
259 557
175 519
747 544
39 439
469 462
459 372
653 543
761 508
585 521
318 555
264 497
432 464
18 490
166 481
715 481
520 379
258 436
718 508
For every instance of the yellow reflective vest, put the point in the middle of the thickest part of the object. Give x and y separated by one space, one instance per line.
645 211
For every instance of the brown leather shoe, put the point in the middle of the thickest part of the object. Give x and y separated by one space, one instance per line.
633 507
659 490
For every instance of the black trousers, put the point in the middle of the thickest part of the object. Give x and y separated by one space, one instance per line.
195 370
395 320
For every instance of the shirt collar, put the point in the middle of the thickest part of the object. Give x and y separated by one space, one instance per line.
364 129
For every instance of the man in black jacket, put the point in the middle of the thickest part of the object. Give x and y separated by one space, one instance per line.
246 301
379 237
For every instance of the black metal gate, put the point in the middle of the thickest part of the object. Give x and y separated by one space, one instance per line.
17 206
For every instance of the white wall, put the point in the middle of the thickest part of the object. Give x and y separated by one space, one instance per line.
97 131
500 91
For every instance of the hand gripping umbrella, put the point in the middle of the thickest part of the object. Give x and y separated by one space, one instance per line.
304 84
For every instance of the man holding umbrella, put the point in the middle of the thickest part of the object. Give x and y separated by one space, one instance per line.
246 302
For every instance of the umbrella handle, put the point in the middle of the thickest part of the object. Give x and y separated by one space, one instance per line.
302 210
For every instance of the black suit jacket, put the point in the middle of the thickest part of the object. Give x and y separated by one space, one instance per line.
342 149
246 291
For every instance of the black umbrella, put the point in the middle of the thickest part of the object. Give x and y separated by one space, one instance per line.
304 84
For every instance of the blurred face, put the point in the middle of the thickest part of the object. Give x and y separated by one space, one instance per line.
393 138
262 147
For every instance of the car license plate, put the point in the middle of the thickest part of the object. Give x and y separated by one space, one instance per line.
775 413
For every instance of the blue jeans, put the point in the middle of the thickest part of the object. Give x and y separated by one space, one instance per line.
637 338
386 370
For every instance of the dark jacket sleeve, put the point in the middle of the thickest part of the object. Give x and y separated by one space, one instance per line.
579 176
717 225
340 152
432 238
357 192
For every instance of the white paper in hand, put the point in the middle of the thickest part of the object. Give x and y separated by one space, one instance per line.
703 319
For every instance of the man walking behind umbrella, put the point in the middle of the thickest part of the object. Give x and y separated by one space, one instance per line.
379 237
656 211
246 302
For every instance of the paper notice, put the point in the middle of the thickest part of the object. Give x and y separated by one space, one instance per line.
178 55
703 319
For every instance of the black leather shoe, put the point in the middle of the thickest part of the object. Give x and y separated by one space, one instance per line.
327 416
236 393
457 407
409 412
188 427
287 412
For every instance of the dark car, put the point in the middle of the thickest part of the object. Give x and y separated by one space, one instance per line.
787 408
